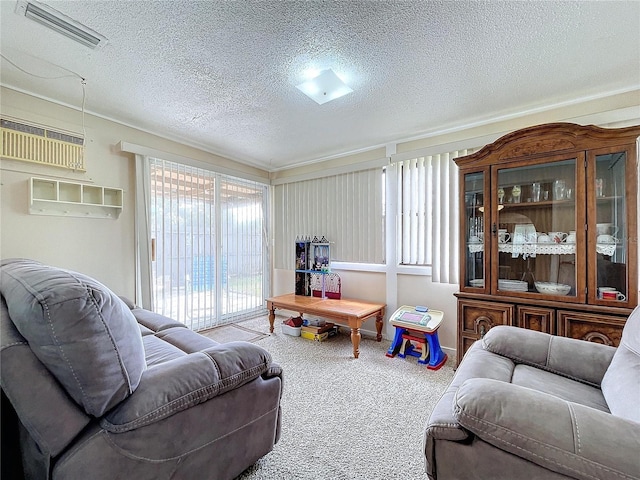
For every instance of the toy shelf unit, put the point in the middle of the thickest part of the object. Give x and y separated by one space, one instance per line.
313 257
70 199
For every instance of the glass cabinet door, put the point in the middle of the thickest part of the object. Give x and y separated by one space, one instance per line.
474 229
537 241
609 228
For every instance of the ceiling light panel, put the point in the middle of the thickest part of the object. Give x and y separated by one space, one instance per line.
51 18
325 87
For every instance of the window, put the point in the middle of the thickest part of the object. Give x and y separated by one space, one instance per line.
428 213
347 209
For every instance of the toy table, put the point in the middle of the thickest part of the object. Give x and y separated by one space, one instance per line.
417 335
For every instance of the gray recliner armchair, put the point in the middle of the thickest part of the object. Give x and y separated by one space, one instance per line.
527 405
100 389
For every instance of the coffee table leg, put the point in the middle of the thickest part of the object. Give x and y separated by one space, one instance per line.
355 339
379 324
272 317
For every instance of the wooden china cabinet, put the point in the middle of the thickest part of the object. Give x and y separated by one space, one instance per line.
549 236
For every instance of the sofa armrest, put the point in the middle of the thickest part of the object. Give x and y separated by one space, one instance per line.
274 370
562 436
477 363
582 361
183 382
154 321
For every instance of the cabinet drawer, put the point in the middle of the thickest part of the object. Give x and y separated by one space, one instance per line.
478 317
475 318
590 327
536 318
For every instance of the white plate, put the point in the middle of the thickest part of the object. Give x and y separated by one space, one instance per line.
513 285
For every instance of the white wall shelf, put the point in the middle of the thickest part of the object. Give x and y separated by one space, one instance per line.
70 199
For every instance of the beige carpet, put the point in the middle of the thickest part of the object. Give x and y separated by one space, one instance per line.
346 418
233 333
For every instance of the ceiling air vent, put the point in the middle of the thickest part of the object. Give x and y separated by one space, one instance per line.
49 17
37 144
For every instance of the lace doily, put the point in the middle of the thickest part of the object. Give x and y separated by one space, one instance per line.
528 249
539 248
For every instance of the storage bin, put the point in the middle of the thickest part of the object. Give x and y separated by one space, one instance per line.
318 337
293 331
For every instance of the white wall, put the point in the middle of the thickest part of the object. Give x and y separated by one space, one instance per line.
101 248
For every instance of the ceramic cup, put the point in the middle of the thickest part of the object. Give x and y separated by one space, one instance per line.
544 238
610 293
558 237
571 238
474 239
615 295
605 289
606 239
503 235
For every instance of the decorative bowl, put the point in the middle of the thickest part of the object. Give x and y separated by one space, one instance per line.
551 288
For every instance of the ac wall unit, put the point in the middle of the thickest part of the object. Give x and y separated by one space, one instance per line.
37 144
53 19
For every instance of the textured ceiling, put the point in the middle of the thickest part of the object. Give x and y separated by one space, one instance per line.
221 75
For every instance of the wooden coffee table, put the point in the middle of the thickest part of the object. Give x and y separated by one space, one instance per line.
345 311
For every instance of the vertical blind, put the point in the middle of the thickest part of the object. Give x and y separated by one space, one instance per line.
428 211
347 209
210 260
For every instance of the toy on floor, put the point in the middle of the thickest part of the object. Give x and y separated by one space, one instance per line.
417 335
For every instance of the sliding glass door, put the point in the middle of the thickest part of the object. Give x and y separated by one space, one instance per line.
209 250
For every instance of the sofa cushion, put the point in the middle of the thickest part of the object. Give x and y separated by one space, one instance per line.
181 382
33 399
559 386
158 351
80 330
621 382
581 361
574 440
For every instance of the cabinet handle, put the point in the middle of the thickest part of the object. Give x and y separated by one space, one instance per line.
494 229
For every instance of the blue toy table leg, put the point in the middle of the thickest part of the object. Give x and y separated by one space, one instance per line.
396 344
437 357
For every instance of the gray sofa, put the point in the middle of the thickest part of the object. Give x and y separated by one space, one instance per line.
527 405
94 388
